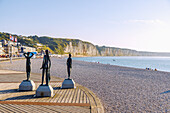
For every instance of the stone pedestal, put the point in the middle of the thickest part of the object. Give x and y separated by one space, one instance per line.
44 91
27 85
68 83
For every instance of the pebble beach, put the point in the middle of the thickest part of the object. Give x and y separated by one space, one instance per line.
121 89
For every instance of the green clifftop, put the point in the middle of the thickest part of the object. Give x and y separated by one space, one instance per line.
75 46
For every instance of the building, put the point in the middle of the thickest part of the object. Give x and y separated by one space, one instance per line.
11 43
10 49
4 42
14 48
23 49
1 49
39 46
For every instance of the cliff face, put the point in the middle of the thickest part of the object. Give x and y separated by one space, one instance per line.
76 47
112 51
88 49
81 48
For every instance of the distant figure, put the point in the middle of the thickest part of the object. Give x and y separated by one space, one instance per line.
69 65
46 65
28 63
147 68
155 69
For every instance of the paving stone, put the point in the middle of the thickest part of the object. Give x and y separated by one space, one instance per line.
75 100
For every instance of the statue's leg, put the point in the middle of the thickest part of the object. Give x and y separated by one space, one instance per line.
68 69
42 76
26 69
47 77
28 75
70 72
28 72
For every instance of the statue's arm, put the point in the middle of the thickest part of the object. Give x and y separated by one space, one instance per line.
49 63
70 63
42 63
24 54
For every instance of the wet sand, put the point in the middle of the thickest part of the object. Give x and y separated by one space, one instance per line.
121 89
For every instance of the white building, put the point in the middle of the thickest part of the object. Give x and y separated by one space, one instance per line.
11 49
23 49
1 49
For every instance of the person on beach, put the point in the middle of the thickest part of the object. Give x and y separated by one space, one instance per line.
28 63
69 65
46 65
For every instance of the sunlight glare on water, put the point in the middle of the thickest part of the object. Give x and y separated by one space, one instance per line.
160 63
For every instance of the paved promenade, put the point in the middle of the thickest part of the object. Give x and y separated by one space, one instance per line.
13 58
75 100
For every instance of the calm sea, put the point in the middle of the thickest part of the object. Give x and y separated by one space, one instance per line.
160 63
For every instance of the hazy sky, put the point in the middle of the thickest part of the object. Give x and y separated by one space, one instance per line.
134 24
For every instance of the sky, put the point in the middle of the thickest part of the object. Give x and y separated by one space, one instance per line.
143 25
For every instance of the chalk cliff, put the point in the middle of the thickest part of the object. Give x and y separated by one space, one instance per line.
76 46
82 48
88 49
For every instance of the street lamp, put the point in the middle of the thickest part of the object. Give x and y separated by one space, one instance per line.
10 51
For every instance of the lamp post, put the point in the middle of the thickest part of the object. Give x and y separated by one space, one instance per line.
10 51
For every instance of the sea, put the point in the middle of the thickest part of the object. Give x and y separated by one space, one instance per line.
142 62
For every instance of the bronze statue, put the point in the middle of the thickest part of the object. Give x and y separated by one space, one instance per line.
28 63
46 65
69 65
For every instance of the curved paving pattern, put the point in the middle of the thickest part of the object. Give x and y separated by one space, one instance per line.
75 100
41 108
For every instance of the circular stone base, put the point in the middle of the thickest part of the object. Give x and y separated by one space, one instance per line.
44 91
27 85
68 83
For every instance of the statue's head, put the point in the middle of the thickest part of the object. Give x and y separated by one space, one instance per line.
69 55
46 52
28 53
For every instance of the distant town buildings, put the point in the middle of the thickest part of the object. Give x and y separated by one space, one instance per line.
26 49
39 45
10 49
1 49
13 48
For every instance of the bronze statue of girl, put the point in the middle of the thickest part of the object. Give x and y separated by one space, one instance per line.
28 63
